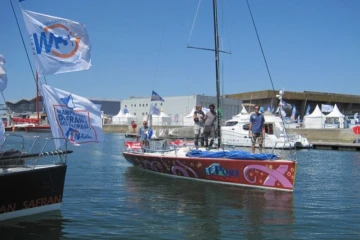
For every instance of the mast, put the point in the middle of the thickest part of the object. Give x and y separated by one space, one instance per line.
37 98
217 60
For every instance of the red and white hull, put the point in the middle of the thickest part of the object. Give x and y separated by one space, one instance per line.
267 174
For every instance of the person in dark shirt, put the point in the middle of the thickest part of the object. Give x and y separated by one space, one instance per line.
209 128
257 129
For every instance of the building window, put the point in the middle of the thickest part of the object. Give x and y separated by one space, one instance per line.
134 105
146 104
143 114
155 104
143 105
160 104
134 114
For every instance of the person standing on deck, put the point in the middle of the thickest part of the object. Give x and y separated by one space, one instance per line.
209 128
257 129
144 134
199 126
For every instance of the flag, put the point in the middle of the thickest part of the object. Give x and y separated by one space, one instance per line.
2 132
3 77
268 109
293 113
156 97
59 45
2 59
72 117
326 108
154 110
126 110
308 110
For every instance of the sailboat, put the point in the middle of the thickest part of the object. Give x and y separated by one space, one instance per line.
238 168
29 184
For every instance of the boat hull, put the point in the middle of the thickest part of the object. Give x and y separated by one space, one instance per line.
276 174
31 191
39 128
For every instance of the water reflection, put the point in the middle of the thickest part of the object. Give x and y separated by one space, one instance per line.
211 209
42 226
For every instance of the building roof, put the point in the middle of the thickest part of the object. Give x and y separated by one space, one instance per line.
306 95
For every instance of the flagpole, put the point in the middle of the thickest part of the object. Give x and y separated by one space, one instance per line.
17 22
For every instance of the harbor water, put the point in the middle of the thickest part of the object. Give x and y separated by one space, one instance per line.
106 198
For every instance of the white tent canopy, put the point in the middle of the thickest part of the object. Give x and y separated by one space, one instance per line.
315 120
243 116
123 119
189 119
335 116
162 119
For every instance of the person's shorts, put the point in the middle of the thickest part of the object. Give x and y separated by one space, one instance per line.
257 137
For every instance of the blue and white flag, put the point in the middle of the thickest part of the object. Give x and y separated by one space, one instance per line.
326 108
126 110
156 97
308 110
293 114
268 109
59 45
3 77
2 132
154 110
72 117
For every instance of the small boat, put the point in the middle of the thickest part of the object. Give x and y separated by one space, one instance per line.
29 184
233 167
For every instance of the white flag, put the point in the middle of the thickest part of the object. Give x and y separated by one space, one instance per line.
2 132
326 108
59 45
3 77
2 59
72 117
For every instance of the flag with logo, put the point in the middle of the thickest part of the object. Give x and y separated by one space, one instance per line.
154 110
72 117
156 97
59 45
3 77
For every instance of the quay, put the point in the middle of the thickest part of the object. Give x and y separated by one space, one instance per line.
329 139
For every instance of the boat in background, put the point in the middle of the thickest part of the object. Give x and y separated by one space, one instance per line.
236 133
238 168
26 122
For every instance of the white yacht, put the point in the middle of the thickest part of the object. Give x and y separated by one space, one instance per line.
236 132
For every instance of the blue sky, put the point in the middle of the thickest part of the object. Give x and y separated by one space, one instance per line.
140 46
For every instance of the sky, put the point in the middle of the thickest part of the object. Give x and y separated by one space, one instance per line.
140 45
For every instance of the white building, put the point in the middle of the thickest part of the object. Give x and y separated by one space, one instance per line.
178 107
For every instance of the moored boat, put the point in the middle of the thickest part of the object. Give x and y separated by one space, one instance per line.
238 168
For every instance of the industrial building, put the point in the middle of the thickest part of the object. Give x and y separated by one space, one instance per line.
177 107
347 104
